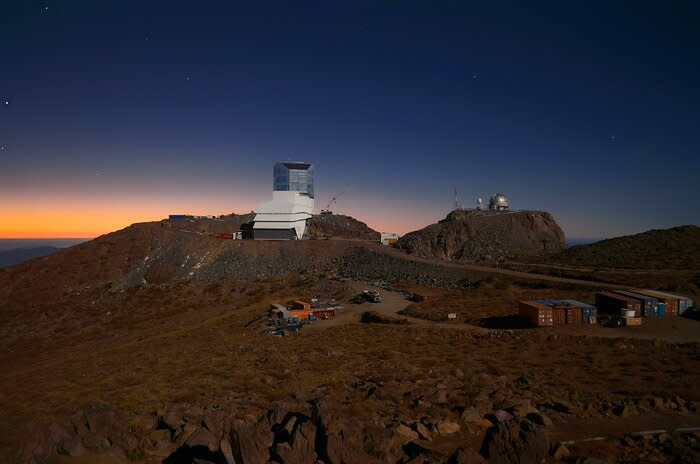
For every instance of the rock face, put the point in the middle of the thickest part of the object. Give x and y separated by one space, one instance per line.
339 226
471 235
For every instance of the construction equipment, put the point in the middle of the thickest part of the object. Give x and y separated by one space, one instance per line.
327 210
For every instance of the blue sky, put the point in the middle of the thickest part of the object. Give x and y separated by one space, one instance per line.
587 110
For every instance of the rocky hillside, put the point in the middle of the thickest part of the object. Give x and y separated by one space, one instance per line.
18 255
471 235
339 226
675 248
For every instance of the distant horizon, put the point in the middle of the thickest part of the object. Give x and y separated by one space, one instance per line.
568 240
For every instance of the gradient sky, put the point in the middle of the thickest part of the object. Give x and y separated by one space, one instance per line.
126 111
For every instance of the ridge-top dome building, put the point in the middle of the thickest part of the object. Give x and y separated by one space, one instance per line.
498 202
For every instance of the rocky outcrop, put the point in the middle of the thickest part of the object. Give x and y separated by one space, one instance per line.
339 226
471 235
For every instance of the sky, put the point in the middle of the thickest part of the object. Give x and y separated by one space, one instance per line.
115 112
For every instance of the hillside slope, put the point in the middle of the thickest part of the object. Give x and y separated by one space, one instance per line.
339 226
471 235
18 255
675 248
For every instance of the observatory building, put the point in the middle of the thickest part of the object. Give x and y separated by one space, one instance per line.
498 202
284 218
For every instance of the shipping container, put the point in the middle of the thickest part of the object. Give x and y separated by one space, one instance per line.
558 315
574 315
559 312
228 236
612 303
667 306
684 303
324 313
649 304
588 312
632 321
177 216
537 314
300 314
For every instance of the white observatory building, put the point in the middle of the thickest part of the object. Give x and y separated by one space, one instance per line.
284 218
498 202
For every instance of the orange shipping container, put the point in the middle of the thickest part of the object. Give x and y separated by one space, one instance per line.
302 314
535 313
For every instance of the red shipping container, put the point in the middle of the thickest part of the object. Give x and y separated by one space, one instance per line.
574 315
536 314
228 236
559 315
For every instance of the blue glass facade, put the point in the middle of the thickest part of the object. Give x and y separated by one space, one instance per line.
297 177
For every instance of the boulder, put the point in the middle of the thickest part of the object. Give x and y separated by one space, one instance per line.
560 452
342 436
516 441
72 447
447 427
300 449
159 439
172 420
466 456
423 431
250 442
214 421
405 432
203 437
101 421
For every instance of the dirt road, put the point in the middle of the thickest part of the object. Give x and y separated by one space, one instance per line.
502 271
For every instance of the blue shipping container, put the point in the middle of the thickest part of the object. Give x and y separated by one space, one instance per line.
177 216
661 309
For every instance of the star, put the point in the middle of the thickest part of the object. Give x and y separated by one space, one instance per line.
475 75
612 139
7 102
2 148
187 77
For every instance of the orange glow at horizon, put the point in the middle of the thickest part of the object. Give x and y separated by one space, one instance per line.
66 216
81 224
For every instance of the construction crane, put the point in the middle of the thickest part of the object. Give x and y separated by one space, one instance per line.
327 210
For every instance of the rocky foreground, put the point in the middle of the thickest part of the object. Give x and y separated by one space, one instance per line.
511 424
471 235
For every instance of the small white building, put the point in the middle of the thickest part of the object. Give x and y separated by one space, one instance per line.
389 238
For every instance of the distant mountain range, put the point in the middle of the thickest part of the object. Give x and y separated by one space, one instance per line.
18 255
